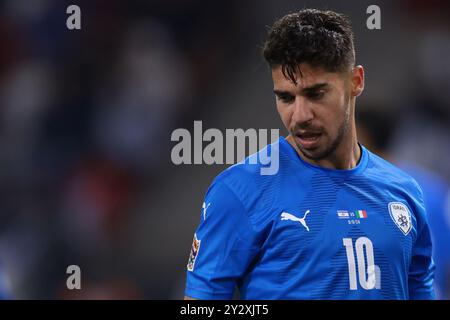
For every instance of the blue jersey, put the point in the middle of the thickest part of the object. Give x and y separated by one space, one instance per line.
309 232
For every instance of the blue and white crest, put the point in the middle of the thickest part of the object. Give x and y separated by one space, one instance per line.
401 216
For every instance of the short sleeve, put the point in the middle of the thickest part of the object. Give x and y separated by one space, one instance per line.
223 247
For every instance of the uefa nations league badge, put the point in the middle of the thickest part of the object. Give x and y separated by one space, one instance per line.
401 216
194 253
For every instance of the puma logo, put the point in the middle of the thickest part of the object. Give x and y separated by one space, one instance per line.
288 216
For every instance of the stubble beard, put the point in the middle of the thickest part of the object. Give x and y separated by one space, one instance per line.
343 129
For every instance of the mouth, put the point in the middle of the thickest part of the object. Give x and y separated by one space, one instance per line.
308 140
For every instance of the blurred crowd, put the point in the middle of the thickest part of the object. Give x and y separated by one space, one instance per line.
86 118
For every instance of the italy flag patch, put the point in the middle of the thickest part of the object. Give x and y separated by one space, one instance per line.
361 214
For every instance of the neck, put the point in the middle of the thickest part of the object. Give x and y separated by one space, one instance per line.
345 157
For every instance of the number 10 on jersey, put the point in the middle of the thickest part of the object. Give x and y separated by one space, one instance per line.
369 273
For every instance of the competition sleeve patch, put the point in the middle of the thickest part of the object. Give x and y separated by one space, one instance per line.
194 253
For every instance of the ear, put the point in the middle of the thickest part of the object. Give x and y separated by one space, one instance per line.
357 80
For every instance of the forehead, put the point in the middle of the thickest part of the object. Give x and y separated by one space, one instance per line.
309 76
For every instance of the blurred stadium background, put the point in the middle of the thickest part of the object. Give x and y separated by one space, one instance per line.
86 118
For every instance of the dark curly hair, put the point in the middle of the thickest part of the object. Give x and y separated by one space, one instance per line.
319 38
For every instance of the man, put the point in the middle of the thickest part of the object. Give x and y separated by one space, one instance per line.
336 221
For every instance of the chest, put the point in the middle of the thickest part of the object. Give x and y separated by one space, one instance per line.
342 225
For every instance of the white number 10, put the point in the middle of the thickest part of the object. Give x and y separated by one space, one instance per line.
369 273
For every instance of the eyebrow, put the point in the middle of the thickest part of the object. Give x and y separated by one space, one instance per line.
312 88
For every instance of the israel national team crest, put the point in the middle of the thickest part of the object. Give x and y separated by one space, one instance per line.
194 253
401 216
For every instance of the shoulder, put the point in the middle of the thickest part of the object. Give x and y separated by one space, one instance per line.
389 174
247 180
398 185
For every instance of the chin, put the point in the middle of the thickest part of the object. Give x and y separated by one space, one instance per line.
315 154
312 155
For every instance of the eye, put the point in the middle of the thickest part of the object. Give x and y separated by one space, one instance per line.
286 98
315 95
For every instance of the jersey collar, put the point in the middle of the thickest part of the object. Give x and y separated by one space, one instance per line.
293 155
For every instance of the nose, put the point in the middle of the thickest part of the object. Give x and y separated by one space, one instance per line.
303 111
